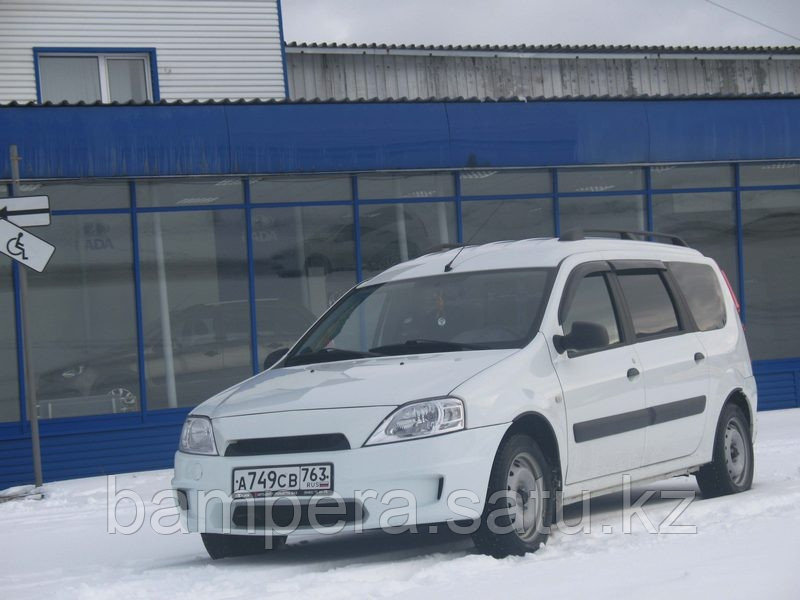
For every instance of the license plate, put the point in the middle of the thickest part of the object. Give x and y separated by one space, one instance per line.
284 480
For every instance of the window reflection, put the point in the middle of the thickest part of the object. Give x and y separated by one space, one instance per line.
771 222
194 305
82 319
706 221
601 179
602 212
770 173
197 191
488 182
393 233
492 220
691 176
304 261
401 185
9 383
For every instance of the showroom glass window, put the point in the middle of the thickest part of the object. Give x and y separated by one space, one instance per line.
9 382
394 232
87 77
195 308
304 256
82 312
771 224
706 220
491 219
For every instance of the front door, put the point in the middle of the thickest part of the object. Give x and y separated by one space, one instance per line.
602 383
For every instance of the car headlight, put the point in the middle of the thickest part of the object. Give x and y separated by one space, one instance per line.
197 437
420 419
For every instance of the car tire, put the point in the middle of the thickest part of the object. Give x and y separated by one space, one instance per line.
521 468
731 470
220 545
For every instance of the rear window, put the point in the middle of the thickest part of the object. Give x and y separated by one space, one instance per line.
649 302
701 288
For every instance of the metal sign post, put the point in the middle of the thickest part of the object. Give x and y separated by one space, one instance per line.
35 253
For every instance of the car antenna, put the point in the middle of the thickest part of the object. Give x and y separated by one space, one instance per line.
449 266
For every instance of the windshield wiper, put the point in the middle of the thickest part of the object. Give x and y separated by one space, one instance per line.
326 355
421 346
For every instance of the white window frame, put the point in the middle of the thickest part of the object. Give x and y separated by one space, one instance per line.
102 65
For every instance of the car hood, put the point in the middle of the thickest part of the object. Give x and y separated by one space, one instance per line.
384 381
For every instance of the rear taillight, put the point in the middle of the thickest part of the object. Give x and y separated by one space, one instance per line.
733 294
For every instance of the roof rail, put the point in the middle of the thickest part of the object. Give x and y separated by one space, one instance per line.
580 234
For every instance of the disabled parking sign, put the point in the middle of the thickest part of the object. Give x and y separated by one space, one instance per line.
21 245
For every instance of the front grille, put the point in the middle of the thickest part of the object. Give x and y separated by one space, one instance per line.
326 442
282 514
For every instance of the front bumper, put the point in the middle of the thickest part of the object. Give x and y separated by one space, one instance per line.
432 480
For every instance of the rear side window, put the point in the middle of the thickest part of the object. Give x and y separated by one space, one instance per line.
649 302
592 304
701 288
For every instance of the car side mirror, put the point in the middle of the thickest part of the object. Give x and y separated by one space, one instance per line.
583 336
274 356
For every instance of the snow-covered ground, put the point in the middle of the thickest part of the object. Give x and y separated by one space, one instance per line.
745 546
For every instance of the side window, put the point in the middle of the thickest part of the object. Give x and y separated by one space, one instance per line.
649 302
700 286
590 322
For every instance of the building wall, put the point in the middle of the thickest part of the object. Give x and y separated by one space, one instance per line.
375 73
205 48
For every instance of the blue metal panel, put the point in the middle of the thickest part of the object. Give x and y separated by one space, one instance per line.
778 383
213 139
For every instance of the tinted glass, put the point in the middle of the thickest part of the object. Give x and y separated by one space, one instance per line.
127 79
602 212
393 233
773 173
771 222
427 185
9 383
492 309
188 192
76 195
304 261
194 304
495 183
701 289
706 221
70 78
691 176
649 302
592 304
83 319
316 188
600 180
492 220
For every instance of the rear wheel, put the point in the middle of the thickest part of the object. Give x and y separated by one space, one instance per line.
731 470
520 503
220 545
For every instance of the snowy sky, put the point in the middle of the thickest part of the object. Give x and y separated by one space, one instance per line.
675 22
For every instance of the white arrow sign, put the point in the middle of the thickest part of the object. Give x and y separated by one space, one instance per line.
24 247
26 211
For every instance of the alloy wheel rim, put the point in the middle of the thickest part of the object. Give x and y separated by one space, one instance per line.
737 455
524 484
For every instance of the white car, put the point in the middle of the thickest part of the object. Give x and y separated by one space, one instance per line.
472 386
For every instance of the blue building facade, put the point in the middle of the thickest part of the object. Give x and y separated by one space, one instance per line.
193 239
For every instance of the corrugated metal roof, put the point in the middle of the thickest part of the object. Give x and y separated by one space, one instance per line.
235 102
555 48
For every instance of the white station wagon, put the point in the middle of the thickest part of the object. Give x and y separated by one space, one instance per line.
474 386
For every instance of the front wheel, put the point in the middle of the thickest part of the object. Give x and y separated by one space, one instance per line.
520 501
731 470
220 545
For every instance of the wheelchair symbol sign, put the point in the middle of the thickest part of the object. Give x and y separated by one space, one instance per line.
24 247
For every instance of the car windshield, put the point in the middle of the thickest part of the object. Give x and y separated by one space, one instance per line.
442 313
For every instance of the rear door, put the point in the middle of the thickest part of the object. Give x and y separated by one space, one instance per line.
603 389
674 365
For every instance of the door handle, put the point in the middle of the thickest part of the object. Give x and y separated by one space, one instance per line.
633 373
699 357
